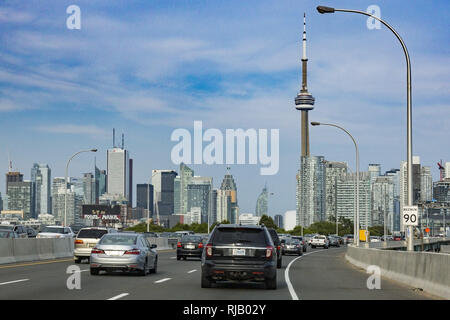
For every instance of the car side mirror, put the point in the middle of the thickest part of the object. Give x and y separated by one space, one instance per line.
153 246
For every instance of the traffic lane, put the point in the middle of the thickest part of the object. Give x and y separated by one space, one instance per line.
327 275
49 281
188 286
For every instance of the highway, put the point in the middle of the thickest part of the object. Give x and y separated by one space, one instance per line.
319 274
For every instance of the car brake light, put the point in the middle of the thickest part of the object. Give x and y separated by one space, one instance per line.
78 241
133 251
278 247
269 251
209 251
97 251
200 245
179 245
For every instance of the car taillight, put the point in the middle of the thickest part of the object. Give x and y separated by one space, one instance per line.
200 245
179 245
78 241
278 247
97 251
133 251
269 252
209 250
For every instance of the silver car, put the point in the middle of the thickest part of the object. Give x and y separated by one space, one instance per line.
125 252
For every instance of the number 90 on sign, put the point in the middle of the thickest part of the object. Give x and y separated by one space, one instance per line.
410 216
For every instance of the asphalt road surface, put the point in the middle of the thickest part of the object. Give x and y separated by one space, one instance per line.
320 274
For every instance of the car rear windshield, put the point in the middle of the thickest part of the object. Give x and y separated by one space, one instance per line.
191 238
53 230
274 235
91 233
239 235
118 240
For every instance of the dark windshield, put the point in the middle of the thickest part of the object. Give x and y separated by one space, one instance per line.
191 239
53 230
239 235
91 233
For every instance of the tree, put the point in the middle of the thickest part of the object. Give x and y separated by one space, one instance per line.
268 221
216 223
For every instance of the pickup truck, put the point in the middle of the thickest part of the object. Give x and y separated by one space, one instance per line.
320 241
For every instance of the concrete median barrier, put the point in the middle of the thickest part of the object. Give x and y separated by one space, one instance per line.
162 243
32 249
426 270
6 251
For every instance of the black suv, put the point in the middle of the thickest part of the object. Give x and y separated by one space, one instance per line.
277 243
239 253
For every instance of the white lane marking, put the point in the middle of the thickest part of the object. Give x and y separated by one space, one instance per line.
119 296
163 280
15 281
192 271
82 270
286 275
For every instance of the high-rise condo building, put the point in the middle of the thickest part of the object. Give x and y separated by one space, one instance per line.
333 171
163 193
41 178
262 203
117 177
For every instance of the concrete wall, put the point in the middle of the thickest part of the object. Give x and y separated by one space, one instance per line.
162 243
32 249
427 270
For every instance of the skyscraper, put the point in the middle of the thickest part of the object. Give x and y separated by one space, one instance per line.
395 175
118 172
180 189
383 202
144 196
163 193
426 184
333 171
89 191
279 221
20 197
262 203
227 204
199 196
100 183
41 178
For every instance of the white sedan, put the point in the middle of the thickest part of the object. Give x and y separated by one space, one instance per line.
320 241
56 232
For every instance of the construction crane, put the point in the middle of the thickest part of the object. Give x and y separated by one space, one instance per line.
441 170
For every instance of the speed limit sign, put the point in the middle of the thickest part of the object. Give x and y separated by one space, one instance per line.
410 215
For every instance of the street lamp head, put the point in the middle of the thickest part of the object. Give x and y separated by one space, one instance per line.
313 123
323 9
93 150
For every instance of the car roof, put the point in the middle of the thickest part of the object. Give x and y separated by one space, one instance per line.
247 226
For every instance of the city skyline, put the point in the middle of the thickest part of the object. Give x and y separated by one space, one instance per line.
257 80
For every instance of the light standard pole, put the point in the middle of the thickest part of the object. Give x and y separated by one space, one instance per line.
66 182
323 9
148 206
356 219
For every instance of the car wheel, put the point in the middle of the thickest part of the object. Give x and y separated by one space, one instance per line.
94 271
300 253
178 257
206 283
279 262
155 267
77 260
143 272
271 284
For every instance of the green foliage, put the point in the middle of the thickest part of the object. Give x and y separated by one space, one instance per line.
268 222
376 230
142 227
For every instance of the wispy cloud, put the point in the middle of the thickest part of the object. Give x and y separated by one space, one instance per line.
89 130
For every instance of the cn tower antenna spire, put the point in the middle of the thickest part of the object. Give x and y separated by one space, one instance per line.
304 101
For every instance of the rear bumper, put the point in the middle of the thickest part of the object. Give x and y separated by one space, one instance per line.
111 263
239 272
82 252
189 252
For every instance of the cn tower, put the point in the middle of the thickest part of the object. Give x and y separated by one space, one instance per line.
304 100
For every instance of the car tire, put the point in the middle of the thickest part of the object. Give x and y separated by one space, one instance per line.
77 260
313 247
155 267
94 271
206 283
143 272
279 263
271 283
178 257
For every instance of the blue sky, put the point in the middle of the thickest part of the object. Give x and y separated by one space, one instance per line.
149 67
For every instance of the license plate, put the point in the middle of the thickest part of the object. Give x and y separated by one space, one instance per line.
189 246
114 253
238 252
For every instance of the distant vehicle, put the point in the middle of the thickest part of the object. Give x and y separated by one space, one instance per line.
239 253
77 227
348 238
333 241
86 239
125 252
302 241
56 232
20 230
375 239
292 246
31 232
397 237
151 234
320 241
190 246
277 243
8 234
184 233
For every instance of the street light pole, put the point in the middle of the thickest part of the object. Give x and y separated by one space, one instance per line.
356 219
66 182
323 9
